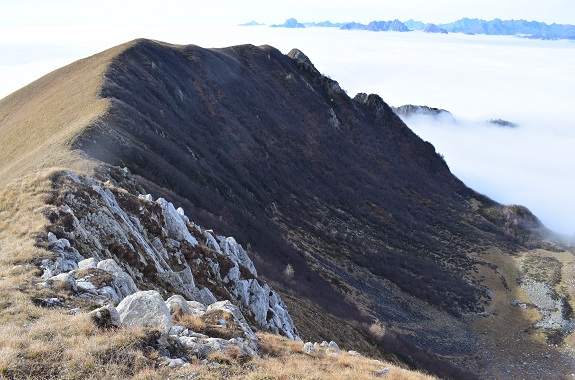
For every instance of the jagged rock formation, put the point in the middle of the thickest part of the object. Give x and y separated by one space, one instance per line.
154 244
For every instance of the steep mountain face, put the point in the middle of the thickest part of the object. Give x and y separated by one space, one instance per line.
263 147
342 208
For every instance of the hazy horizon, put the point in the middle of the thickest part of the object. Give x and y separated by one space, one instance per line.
528 82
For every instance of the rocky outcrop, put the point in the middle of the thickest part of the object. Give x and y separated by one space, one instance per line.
129 242
551 306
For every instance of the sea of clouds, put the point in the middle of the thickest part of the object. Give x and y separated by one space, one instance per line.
476 78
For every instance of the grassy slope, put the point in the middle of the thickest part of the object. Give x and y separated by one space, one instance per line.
38 122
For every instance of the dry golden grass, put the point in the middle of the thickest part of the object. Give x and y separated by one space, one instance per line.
192 322
283 359
39 122
61 346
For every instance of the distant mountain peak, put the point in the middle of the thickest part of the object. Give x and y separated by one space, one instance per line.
290 23
432 28
251 23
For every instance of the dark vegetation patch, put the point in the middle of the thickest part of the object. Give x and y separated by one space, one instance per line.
244 139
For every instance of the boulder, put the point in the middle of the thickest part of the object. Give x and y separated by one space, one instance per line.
86 286
197 308
382 372
333 346
145 309
88 263
178 302
307 348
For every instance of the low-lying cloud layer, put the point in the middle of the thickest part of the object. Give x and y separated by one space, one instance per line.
476 78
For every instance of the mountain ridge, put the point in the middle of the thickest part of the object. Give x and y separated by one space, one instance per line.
523 28
260 146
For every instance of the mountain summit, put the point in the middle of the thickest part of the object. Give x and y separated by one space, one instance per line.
344 211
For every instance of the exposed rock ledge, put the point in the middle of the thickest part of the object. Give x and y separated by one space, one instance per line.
109 243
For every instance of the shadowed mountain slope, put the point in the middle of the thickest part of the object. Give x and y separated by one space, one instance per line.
280 157
337 201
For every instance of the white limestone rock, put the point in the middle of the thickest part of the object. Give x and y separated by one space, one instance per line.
145 309
175 225
158 239
147 197
122 283
332 348
203 347
52 238
88 263
178 302
86 286
206 297
196 308
109 293
211 242
178 330
236 253
308 348
67 257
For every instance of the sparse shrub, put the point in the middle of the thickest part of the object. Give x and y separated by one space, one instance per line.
377 330
289 272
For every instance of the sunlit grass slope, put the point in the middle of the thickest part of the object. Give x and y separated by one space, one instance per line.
38 122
